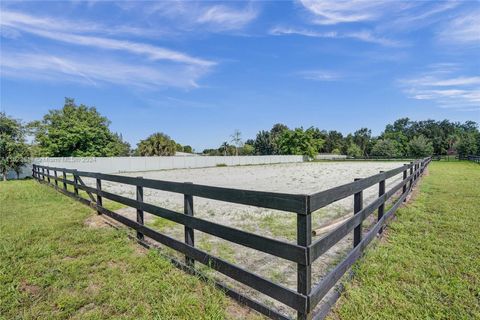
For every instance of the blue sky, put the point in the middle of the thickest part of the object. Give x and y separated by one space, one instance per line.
199 70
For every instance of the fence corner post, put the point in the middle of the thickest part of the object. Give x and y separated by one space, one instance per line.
189 232
357 206
304 271
140 219
381 208
99 197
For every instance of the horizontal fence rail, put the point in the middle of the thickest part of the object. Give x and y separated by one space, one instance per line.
305 299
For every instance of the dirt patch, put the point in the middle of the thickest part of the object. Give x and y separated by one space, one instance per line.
96 221
84 309
92 289
30 289
237 311
122 266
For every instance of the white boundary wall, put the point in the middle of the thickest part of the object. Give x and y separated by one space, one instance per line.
138 164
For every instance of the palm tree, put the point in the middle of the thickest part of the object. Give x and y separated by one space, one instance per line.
224 148
157 144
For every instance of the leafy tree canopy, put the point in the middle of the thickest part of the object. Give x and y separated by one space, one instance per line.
300 142
420 147
14 152
78 131
386 148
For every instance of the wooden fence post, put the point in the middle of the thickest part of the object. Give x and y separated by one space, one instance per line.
140 219
43 174
381 208
33 171
411 174
99 197
357 206
48 176
189 232
56 178
64 179
75 181
404 188
304 272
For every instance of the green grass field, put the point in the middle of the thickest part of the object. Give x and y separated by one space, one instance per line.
52 266
428 265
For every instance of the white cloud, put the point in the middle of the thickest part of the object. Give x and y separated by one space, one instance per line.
445 87
16 19
320 75
382 20
464 29
47 28
227 18
37 66
140 64
363 35
202 16
329 12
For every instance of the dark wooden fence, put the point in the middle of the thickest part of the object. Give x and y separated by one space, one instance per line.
470 158
305 299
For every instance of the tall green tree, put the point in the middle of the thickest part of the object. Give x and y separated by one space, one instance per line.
468 144
387 148
76 130
275 133
157 144
354 151
334 141
14 152
300 142
263 143
362 138
420 147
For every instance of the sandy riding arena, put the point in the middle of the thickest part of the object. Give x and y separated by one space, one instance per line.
298 178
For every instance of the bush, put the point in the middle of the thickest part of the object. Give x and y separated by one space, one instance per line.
354 151
420 147
386 148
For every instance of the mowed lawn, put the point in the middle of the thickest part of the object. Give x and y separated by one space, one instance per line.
53 266
428 266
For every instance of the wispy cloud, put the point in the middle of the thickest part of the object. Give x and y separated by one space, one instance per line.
320 75
203 16
47 28
444 85
363 35
329 12
139 64
228 18
382 20
15 19
464 29
56 68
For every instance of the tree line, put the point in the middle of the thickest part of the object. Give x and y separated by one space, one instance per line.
81 131
403 138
